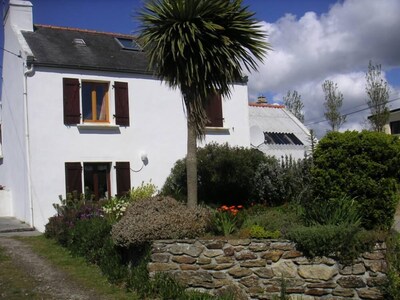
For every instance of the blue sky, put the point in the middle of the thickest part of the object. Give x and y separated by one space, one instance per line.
313 40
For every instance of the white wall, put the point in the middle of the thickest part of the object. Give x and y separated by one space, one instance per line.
13 165
157 127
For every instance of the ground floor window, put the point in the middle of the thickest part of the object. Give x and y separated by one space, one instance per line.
94 178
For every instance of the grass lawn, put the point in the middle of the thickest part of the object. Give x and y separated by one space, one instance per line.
76 268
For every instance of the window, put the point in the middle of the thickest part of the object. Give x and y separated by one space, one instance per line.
97 178
128 44
95 101
89 101
395 127
214 111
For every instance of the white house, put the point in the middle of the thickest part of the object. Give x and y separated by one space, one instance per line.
276 131
81 110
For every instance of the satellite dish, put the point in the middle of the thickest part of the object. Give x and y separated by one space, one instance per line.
256 136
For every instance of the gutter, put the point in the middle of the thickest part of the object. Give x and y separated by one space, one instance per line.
28 72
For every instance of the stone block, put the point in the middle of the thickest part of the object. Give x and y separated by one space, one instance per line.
351 282
213 253
184 259
287 269
370 293
250 281
273 255
240 242
239 272
254 263
322 272
316 292
217 244
292 254
258 247
224 259
376 266
160 257
245 255
282 246
322 285
229 251
374 255
343 292
189 267
264 272
203 260
377 281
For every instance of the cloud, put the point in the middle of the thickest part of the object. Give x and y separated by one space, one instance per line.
336 45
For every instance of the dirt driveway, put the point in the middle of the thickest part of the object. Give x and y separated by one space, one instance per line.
52 282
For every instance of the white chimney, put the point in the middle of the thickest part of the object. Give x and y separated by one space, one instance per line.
18 13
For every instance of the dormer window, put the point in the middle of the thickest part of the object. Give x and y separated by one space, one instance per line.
128 44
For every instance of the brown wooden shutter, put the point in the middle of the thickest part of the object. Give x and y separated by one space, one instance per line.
73 177
123 171
121 103
214 111
72 112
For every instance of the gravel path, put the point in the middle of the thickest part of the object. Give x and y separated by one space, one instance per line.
52 281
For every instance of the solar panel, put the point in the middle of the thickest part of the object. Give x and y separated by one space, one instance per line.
281 138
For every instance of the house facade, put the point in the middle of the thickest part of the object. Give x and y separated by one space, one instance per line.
393 124
277 132
81 111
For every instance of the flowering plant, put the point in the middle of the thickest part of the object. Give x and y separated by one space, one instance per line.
226 219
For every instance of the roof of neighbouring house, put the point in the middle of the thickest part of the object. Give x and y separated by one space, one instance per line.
275 120
63 47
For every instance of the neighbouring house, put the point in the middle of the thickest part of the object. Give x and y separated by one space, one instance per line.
393 125
81 111
276 131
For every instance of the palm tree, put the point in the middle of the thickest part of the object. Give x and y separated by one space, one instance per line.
200 47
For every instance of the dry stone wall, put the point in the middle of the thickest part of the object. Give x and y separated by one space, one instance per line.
255 269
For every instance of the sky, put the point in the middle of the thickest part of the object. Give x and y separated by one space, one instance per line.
312 41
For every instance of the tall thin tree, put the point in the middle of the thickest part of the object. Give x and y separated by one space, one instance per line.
200 47
293 103
378 97
333 103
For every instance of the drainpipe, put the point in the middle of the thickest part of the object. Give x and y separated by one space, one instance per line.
29 72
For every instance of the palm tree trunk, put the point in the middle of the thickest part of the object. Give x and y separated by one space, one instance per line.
191 165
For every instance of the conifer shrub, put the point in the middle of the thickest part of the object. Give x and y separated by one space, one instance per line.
364 166
159 218
224 175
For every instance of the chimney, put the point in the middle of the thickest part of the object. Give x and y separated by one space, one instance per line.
18 13
261 100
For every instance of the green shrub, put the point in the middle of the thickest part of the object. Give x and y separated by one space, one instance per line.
278 182
273 218
71 210
341 241
115 207
159 218
332 212
258 232
364 166
224 175
393 259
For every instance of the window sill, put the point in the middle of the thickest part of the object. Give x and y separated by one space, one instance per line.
219 130
96 126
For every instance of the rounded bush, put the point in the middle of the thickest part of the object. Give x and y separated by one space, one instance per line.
159 218
364 166
224 175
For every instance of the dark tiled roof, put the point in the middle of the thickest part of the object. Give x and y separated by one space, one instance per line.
54 47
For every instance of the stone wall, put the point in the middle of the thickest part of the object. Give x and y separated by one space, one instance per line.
254 269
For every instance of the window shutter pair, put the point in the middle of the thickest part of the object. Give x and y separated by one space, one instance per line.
214 111
71 95
73 177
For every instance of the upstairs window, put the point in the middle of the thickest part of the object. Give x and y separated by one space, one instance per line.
95 102
395 127
214 111
89 101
